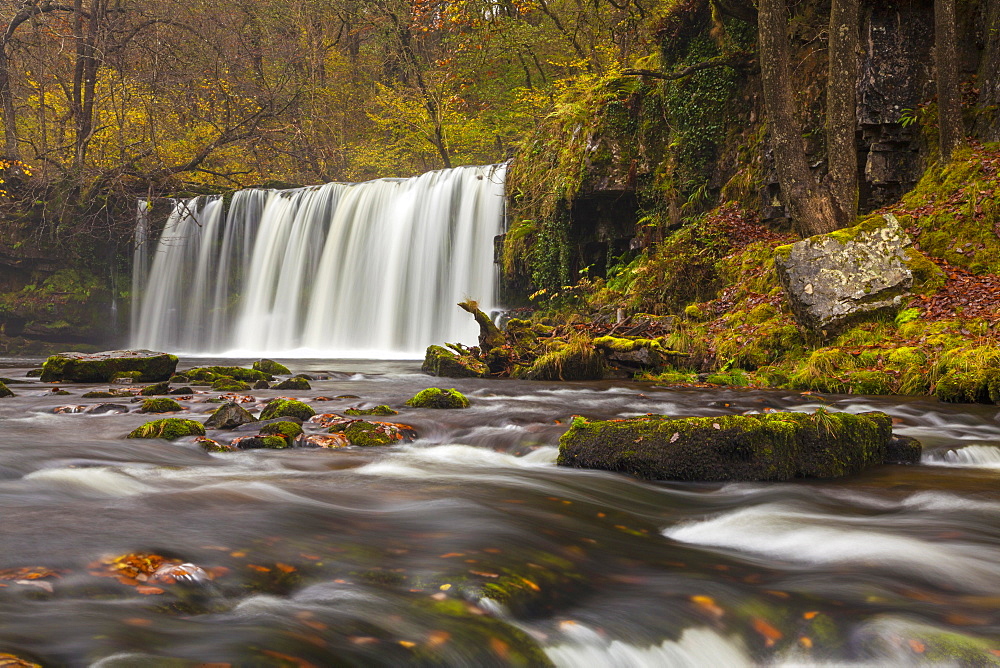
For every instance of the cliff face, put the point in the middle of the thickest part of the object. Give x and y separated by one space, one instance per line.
700 140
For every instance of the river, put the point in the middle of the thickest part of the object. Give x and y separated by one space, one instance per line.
378 556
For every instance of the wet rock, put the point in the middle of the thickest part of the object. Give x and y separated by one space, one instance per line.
160 405
102 367
181 391
60 393
69 409
772 446
155 390
169 429
376 410
100 394
261 385
331 441
369 434
635 353
260 443
257 426
281 407
439 361
101 409
209 445
228 416
284 428
833 280
903 450
437 397
271 367
34 373
5 391
293 384
230 385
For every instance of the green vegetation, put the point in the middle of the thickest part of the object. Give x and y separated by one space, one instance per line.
160 405
168 429
436 397
377 410
279 407
271 367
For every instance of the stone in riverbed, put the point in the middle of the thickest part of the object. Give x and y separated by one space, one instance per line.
168 429
160 405
281 407
150 366
296 383
5 391
772 446
437 397
439 361
833 280
271 367
155 390
228 416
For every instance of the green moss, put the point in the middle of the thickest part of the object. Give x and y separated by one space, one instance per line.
212 373
154 390
286 407
270 367
263 442
928 278
230 385
870 382
5 391
101 369
98 394
439 361
295 383
732 378
436 397
370 434
168 429
160 405
773 446
288 430
576 360
127 375
377 410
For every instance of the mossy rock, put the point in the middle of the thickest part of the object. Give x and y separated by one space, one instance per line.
286 407
980 386
271 367
229 416
5 391
100 394
439 361
437 397
284 428
155 390
293 384
179 378
261 385
571 361
34 373
377 410
873 382
160 405
103 367
130 376
773 446
168 429
369 434
230 385
212 373
260 442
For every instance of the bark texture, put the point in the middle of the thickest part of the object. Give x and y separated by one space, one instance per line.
946 62
989 76
841 108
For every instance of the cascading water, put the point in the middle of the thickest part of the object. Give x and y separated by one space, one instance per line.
365 269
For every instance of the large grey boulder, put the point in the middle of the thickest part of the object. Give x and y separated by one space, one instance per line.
148 366
832 280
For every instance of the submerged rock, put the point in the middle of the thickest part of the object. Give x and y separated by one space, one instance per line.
832 280
168 429
227 384
101 409
381 409
436 397
149 366
228 416
260 442
772 446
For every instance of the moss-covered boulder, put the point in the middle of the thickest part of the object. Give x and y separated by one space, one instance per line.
5 391
229 416
160 405
100 394
226 384
260 442
168 429
280 407
635 353
155 390
437 397
213 373
151 367
772 446
368 434
440 361
381 409
295 383
575 360
271 367
978 386
284 428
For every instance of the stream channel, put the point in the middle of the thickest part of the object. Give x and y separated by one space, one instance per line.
378 556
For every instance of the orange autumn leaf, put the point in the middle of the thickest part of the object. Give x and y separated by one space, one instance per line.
500 648
806 642
707 603
770 633
810 615
917 646
531 584
294 660
259 569
438 638
285 568
148 591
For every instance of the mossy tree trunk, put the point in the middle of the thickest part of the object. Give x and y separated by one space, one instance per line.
809 203
952 132
841 108
989 76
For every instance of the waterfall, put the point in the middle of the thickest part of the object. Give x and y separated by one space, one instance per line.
345 269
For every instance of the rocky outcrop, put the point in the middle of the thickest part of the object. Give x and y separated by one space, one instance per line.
772 446
833 280
103 367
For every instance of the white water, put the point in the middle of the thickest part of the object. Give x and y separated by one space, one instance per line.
348 270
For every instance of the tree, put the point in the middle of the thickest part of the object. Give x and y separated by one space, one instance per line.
952 131
989 75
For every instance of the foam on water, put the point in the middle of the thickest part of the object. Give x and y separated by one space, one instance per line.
89 481
780 532
696 648
975 456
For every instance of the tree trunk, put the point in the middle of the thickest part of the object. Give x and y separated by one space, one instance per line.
7 108
988 123
841 109
810 208
952 132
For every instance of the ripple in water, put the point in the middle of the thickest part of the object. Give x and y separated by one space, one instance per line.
977 456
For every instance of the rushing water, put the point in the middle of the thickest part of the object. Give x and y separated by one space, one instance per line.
346 557
353 269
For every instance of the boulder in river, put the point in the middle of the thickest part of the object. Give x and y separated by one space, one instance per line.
833 280
168 429
5 391
296 383
103 367
437 397
281 407
440 361
271 367
228 416
771 446
160 405
367 434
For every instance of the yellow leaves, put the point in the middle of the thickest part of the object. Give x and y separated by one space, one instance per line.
708 604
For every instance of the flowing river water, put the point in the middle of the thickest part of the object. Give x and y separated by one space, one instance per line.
379 556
